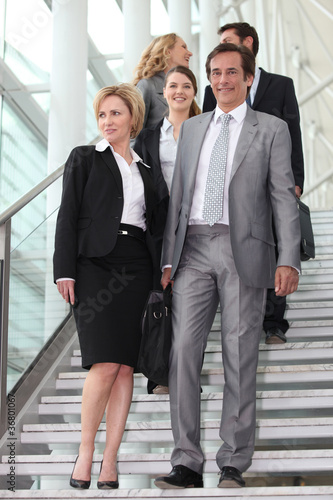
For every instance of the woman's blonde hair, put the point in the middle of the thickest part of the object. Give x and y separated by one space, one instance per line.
194 109
132 98
155 57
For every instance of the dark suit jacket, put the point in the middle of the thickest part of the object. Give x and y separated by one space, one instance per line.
92 205
147 146
276 96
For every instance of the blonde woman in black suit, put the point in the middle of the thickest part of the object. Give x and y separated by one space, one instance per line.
163 53
104 258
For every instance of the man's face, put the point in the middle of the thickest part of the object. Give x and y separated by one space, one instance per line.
227 80
229 36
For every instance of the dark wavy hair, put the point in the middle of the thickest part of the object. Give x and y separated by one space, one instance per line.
243 30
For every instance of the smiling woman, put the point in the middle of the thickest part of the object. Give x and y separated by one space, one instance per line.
157 145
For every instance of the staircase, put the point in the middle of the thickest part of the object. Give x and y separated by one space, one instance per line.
294 446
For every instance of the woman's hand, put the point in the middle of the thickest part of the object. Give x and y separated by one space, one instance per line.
66 289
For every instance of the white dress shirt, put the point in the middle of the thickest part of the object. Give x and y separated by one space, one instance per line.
255 84
133 190
235 127
168 150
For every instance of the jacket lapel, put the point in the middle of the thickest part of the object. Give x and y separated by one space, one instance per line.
245 140
152 143
110 161
148 188
263 84
198 135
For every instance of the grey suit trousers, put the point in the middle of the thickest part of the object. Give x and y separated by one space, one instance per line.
205 277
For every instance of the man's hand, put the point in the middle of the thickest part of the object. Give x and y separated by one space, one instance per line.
298 191
66 289
165 280
286 280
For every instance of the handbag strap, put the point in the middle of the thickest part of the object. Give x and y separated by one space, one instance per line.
167 296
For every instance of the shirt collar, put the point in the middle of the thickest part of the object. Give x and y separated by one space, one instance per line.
238 113
104 144
166 124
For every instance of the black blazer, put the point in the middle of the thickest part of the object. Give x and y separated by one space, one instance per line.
147 146
276 96
92 205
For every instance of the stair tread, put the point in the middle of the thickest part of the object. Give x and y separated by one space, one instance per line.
151 457
166 424
211 348
310 393
304 492
260 369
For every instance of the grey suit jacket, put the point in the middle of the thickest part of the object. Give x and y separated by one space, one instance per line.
261 186
156 104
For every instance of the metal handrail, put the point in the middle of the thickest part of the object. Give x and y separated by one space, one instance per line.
30 195
35 191
5 237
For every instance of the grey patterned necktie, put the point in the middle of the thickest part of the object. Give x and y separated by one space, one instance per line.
213 201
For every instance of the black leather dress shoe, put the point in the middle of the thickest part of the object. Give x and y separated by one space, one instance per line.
78 483
231 478
180 477
275 336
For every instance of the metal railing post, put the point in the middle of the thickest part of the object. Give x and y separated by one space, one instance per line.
5 233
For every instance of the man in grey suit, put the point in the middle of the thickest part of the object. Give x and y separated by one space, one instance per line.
230 260
273 94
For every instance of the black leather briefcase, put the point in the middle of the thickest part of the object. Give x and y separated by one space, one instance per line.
307 239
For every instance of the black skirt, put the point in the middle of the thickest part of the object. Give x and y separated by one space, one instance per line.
111 293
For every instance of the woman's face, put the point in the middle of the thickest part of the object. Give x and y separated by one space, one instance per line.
179 54
179 92
115 120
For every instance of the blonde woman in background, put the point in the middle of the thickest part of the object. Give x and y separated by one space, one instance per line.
162 54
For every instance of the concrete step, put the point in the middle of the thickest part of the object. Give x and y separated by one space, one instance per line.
287 353
298 430
312 330
255 493
210 402
264 462
323 248
285 374
320 262
291 351
309 310
312 293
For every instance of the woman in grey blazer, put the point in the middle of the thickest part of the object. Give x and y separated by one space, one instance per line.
162 54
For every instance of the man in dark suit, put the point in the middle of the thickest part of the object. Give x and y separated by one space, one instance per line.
275 95
218 248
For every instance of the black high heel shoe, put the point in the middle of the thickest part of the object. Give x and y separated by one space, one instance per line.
107 485
78 483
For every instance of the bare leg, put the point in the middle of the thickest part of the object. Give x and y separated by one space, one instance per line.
116 415
95 395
